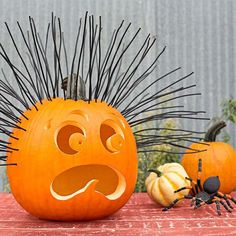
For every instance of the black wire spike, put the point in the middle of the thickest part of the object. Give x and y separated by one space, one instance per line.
129 87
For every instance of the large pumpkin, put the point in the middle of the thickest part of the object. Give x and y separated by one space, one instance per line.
218 159
76 160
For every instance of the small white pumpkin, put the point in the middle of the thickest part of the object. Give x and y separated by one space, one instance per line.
162 183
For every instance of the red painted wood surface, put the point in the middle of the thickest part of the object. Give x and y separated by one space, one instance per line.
140 216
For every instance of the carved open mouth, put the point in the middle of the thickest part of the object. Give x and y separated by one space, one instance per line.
100 178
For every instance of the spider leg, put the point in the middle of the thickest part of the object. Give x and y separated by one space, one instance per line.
217 206
192 201
225 206
199 173
197 185
175 201
171 205
199 205
183 188
221 195
194 189
230 198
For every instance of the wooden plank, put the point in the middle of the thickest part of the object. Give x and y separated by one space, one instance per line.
107 232
140 216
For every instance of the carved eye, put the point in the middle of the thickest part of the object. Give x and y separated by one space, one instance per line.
70 139
112 136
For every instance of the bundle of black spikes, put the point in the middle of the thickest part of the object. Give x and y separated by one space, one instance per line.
45 64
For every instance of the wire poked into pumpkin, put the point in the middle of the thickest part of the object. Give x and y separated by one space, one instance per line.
69 114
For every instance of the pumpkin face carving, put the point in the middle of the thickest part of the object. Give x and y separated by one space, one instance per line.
76 160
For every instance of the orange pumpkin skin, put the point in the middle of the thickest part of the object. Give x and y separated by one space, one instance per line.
218 159
76 160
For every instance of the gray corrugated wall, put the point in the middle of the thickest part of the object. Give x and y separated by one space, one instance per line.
200 36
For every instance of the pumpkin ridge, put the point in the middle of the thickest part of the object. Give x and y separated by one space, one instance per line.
216 159
173 185
171 182
151 183
231 172
161 192
182 177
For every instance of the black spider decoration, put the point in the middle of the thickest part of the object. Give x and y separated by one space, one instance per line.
205 194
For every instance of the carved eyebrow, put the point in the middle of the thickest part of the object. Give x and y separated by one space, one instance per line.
121 123
81 114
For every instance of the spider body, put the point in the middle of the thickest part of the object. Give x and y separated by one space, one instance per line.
203 197
208 193
211 185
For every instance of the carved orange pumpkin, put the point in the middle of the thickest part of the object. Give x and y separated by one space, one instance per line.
219 159
67 158
76 160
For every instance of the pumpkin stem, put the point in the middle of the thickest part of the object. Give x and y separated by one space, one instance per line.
213 131
74 87
159 173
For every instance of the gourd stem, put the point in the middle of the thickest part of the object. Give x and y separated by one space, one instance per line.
159 173
213 131
74 87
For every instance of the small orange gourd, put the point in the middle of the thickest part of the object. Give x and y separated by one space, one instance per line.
162 183
218 159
